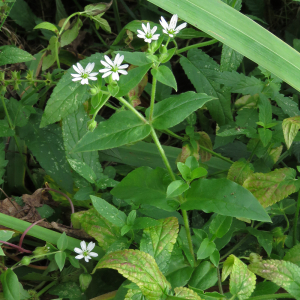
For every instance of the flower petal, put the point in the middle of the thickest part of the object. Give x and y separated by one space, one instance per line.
90 246
76 75
163 23
123 66
104 70
83 245
92 78
120 60
141 32
106 74
153 29
116 59
108 60
141 36
77 250
84 81
89 68
147 40
105 64
173 22
115 76
93 74
80 256
76 69
181 26
93 254
155 37
123 72
144 27
76 79
86 258
80 67
148 28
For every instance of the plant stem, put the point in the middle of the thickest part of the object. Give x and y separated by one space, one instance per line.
242 241
274 296
213 41
219 281
296 220
56 53
117 16
100 106
46 288
130 107
152 102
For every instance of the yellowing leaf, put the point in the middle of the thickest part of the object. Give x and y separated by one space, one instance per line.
240 171
205 141
140 268
185 293
290 127
272 187
283 273
275 153
293 255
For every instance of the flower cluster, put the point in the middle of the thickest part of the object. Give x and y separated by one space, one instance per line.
114 68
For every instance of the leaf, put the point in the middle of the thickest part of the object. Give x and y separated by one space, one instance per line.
60 259
62 242
140 268
48 26
220 226
265 136
201 69
272 187
109 212
69 290
159 241
204 276
3 162
134 295
10 285
242 281
207 247
265 109
74 127
164 75
240 171
176 188
83 170
132 79
240 33
97 8
185 293
230 59
71 34
60 11
136 58
225 198
265 239
68 95
112 133
97 226
215 258
204 141
145 186
46 144
5 130
290 129
170 112
13 55
247 117
288 106
284 273
293 255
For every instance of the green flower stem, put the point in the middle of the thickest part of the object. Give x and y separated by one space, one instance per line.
66 22
219 281
152 102
110 106
46 288
169 132
117 16
56 53
43 234
184 213
130 107
17 143
272 296
100 106
26 80
211 42
296 220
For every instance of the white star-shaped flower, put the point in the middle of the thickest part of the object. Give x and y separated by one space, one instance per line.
84 74
148 34
85 251
113 67
170 29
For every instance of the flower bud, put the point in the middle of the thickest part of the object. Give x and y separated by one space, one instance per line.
163 49
84 281
41 250
92 124
93 91
25 261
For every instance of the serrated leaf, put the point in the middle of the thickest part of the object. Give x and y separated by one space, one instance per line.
145 186
144 222
275 153
13 55
69 290
201 69
159 241
68 95
170 112
97 226
224 197
140 268
5 130
227 267
284 273
265 239
242 281
204 141
290 129
164 75
288 106
247 117
109 212
230 59
265 109
134 295
240 171
112 133
272 187
293 255
83 170
185 293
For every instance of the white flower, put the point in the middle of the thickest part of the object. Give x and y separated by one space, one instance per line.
171 29
114 67
84 74
148 34
85 251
